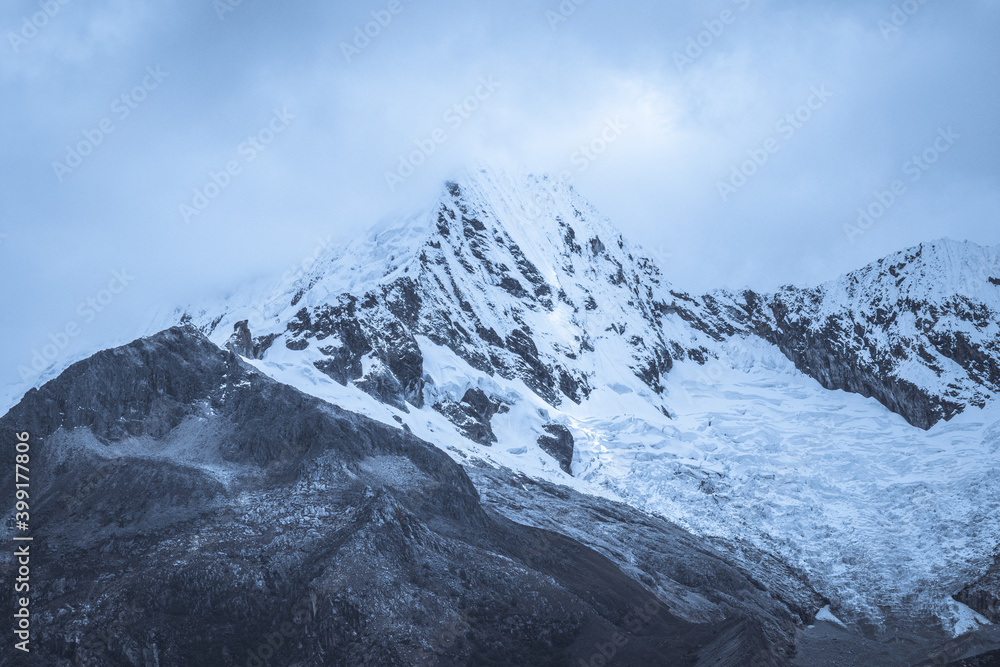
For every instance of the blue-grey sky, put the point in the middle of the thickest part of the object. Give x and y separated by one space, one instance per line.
743 136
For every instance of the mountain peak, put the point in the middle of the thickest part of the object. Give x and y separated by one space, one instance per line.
513 272
919 328
934 271
540 215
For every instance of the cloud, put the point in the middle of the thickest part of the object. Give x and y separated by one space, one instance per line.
688 122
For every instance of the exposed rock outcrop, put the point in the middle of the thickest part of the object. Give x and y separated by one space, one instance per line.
192 511
917 331
558 443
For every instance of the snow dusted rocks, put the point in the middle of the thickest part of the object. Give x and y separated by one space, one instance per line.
195 512
714 411
846 436
919 331
243 344
516 274
558 443
472 415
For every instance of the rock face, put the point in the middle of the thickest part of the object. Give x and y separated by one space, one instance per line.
522 278
472 415
243 344
558 443
191 510
983 595
365 343
919 331
516 274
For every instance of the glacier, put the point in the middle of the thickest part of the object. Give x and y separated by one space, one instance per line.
850 429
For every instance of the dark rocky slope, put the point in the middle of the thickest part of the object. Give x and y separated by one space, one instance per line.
983 595
188 510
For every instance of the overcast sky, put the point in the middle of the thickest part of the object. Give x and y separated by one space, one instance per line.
693 90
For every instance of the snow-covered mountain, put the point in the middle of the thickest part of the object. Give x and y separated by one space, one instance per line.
846 436
511 323
515 275
189 510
